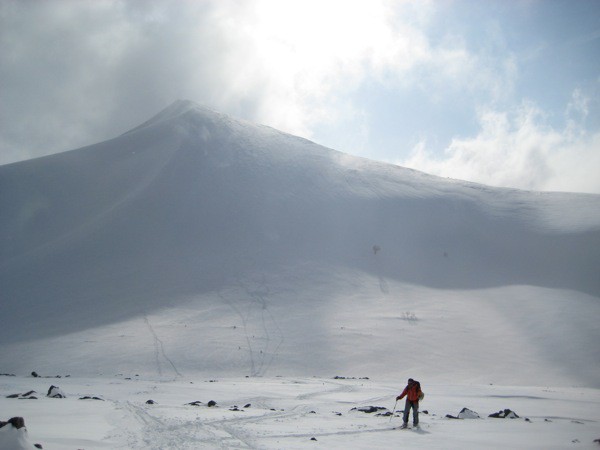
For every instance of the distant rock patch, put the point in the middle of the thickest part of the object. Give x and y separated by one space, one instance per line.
369 409
87 397
26 396
210 404
35 375
506 414
337 377
196 403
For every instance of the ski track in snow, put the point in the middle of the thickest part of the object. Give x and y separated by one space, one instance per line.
259 295
260 356
159 351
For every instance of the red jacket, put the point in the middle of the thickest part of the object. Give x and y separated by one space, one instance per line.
412 392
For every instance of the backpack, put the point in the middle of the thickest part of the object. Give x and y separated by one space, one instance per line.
422 394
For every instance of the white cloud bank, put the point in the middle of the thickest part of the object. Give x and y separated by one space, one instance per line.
520 149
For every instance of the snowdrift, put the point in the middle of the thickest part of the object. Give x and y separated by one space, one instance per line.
200 243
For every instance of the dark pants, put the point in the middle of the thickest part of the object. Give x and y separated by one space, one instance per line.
415 408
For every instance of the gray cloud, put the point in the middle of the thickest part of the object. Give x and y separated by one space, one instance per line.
74 73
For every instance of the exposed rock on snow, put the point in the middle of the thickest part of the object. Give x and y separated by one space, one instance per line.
506 414
464 413
26 396
55 392
13 435
17 422
467 413
368 409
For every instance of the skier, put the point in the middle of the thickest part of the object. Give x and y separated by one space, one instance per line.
413 394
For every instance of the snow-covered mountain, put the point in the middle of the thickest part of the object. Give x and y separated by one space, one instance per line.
196 243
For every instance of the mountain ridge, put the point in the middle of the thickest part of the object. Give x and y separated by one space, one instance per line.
196 208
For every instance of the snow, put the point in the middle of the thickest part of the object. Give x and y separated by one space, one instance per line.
197 247
286 412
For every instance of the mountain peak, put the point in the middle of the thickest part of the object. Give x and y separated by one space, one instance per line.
174 110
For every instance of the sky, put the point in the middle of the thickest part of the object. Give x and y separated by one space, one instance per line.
505 93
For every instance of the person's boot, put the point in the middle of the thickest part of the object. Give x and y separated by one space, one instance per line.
404 425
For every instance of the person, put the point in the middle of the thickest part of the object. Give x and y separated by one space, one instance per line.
413 394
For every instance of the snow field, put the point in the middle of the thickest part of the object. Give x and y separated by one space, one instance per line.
288 412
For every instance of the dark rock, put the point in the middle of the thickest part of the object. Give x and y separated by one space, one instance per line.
196 403
368 409
38 446
7 374
55 392
87 397
425 411
150 402
506 414
313 438
26 396
17 422
211 403
449 416
34 374
247 405
385 414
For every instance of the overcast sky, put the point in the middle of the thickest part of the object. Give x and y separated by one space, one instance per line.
505 93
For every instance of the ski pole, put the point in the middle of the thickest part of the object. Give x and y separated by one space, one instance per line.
393 410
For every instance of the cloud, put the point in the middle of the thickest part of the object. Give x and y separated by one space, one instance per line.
74 73
520 149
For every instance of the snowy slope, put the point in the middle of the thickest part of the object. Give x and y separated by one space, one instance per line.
197 243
